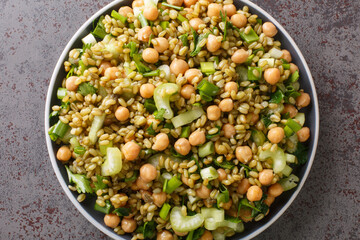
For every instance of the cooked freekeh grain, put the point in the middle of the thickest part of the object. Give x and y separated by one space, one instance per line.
167 120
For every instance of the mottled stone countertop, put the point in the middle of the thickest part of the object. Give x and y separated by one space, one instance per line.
33 34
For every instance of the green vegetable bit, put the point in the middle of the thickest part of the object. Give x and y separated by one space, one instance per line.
254 73
106 209
277 96
61 93
82 183
164 212
172 6
99 30
250 37
118 16
86 89
185 132
99 184
122 212
198 47
184 39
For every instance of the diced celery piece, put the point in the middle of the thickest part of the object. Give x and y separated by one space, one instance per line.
287 171
250 37
96 125
290 158
278 157
300 117
187 117
270 61
289 182
162 96
258 137
181 223
207 67
217 214
103 148
206 149
209 173
113 162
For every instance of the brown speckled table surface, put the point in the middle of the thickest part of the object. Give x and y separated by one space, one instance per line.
33 34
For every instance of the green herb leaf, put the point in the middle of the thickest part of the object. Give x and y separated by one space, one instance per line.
149 230
224 20
301 153
277 96
150 105
197 46
133 177
150 130
133 48
159 115
99 30
106 209
141 67
266 121
71 71
99 184
86 88
225 164
198 233
184 39
122 212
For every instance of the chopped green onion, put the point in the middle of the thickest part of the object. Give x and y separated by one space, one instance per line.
99 30
60 129
224 164
249 59
71 71
294 77
208 88
224 20
172 184
164 24
86 88
206 149
295 126
209 173
53 114
277 96
288 131
190 235
187 117
255 51
61 93
258 137
150 105
181 18
133 48
152 73
286 66
300 117
113 162
185 132
250 37
259 21
79 150
103 148
198 47
106 209
254 73
122 212
184 39
143 20
96 125
164 212
172 6
118 16
223 196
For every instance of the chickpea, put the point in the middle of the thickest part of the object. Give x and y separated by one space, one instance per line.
150 55
178 66
214 10
293 68
254 193
181 234
104 65
195 22
243 186
122 113
189 3
137 3
303 134
269 29
163 44
148 172
159 198
240 56
187 90
182 146
164 235
128 225
147 90
193 73
151 13
206 236
125 11
272 75
111 220
269 200
239 20
203 192
243 154
175 2
286 55
197 138
229 130
222 174
227 205
63 154
276 134
212 43
161 142
213 113
229 9
226 105
70 83
245 214
144 34
111 73
303 100
266 176
131 151
252 118
289 108
275 190
231 86
141 184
